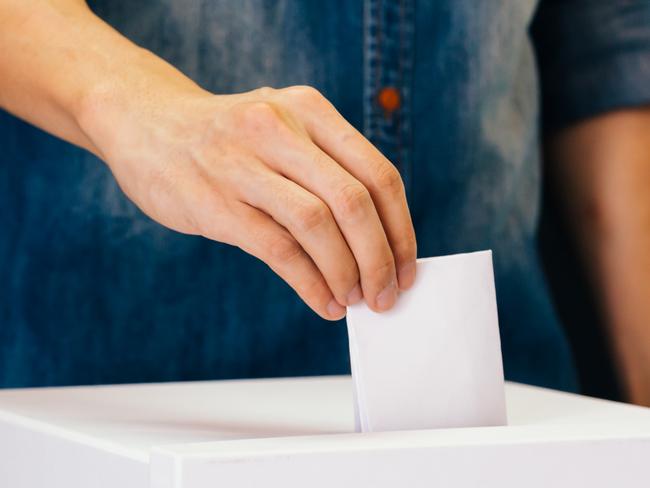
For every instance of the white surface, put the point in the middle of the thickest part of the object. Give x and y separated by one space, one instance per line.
434 360
243 433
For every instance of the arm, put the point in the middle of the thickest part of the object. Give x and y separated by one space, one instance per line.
278 173
594 75
601 169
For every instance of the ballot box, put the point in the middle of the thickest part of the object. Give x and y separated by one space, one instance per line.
299 433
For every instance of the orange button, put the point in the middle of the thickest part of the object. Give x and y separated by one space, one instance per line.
389 98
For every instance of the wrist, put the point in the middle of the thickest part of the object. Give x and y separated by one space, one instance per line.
142 87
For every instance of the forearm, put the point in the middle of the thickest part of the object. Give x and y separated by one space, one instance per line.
602 168
58 62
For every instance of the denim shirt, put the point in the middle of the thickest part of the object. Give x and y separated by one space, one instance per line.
93 291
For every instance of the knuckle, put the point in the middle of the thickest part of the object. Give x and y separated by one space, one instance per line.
311 215
347 276
266 92
257 116
307 93
284 249
219 226
353 201
314 289
388 180
383 273
213 231
406 248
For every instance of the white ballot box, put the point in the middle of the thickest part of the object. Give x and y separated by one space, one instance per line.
299 433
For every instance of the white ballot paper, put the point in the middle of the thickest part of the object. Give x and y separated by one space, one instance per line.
434 360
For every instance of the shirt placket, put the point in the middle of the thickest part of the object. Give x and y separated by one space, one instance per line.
388 68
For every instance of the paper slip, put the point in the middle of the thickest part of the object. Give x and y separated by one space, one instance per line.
434 360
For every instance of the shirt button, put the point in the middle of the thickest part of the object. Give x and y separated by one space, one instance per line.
389 98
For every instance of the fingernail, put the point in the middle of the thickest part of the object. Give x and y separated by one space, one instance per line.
406 275
355 295
387 297
335 310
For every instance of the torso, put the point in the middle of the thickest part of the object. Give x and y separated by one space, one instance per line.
94 291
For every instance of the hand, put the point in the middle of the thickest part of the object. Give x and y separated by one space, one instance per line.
279 173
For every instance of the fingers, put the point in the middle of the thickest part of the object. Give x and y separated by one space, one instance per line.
269 241
351 206
311 223
344 144
344 207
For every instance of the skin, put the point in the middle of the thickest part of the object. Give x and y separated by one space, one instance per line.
601 168
277 172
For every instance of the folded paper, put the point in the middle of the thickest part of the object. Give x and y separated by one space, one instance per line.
434 360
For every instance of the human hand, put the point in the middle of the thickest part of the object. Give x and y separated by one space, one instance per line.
277 172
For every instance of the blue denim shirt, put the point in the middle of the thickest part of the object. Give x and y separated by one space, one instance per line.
92 291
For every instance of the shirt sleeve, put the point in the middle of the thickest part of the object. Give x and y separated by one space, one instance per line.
593 56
